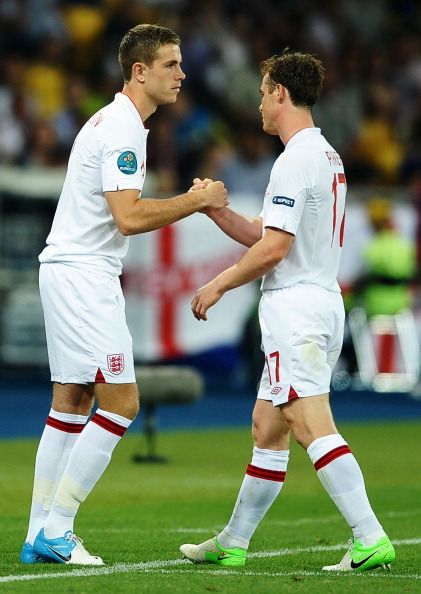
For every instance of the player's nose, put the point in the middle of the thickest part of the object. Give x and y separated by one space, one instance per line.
181 75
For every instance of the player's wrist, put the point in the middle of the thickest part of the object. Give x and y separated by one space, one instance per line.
216 214
223 282
200 198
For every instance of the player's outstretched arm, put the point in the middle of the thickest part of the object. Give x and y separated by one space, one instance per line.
133 214
243 229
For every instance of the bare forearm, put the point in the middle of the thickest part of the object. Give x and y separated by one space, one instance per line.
149 214
244 230
255 263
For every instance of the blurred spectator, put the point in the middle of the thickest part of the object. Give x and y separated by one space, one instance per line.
378 143
12 133
81 102
45 147
45 78
194 126
341 96
86 22
15 110
390 265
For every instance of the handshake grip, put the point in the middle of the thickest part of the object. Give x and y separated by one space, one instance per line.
215 192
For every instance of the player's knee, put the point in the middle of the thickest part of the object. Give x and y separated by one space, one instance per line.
257 433
132 408
127 410
119 399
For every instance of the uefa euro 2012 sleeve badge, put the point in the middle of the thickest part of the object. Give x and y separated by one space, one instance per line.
127 162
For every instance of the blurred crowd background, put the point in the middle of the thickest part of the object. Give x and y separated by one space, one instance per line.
59 66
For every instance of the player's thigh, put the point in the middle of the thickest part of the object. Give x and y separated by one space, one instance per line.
270 429
121 399
309 418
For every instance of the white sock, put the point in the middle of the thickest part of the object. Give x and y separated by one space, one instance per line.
264 479
87 462
342 478
59 436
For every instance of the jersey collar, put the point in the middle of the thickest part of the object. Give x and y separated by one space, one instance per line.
123 98
302 135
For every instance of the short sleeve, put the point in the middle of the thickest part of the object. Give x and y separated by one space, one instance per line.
123 162
285 197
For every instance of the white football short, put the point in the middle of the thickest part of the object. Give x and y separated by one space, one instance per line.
87 335
302 332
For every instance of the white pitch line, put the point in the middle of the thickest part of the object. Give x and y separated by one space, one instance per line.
401 514
161 566
94 571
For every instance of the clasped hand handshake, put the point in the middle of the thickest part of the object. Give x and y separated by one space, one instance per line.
216 193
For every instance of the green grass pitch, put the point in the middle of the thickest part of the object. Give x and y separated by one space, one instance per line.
139 514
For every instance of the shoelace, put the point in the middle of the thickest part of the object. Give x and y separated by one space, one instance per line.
71 537
79 543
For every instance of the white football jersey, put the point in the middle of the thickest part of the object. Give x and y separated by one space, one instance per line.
306 197
109 154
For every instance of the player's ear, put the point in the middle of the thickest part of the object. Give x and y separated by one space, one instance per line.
138 72
280 92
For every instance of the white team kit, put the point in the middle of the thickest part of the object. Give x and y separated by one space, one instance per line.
301 311
87 335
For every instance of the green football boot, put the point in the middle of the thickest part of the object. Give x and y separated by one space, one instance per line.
211 551
361 558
